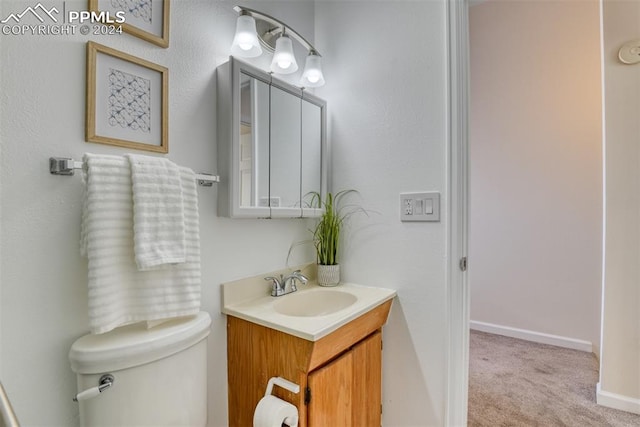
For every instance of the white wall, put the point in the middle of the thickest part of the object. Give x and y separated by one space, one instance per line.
384 63
42 103
620 362
536 167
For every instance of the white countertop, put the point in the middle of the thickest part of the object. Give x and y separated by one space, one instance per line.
259 308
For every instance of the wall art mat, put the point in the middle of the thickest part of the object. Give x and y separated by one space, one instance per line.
126 100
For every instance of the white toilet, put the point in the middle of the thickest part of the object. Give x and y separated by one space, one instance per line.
159 374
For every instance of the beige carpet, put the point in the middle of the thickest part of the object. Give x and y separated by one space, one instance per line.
519 383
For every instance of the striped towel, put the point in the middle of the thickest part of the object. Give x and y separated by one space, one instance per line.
158 212
119 293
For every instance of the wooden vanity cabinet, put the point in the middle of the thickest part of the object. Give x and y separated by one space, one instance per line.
340 375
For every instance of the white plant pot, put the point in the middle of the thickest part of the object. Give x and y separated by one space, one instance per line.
328 275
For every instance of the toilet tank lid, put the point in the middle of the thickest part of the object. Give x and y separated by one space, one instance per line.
134 345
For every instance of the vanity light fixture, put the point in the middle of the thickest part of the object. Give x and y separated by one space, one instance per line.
275 36
284 61
245 42
312 74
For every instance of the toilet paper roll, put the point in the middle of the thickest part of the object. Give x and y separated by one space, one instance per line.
273 412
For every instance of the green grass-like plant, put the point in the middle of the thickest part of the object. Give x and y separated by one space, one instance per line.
326 235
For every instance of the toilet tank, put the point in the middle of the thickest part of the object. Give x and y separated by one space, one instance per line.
160 374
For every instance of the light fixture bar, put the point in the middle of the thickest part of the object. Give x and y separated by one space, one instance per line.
277 23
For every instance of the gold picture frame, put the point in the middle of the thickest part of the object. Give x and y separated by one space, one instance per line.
127 100
139 24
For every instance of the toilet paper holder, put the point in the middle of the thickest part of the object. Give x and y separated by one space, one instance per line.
290 420
279 381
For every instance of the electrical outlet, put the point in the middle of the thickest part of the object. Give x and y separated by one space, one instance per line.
424 206
408 206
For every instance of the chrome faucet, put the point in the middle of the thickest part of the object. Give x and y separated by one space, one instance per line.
279 284
301 277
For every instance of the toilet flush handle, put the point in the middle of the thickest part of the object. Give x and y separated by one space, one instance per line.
106 381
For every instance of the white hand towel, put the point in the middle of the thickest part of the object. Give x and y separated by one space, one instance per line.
158 212
119 293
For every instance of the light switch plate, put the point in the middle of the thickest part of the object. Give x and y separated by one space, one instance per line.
422 206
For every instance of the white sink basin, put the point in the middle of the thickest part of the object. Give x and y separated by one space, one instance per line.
314 303
311 313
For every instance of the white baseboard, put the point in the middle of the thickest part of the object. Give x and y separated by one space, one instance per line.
617 401
539 337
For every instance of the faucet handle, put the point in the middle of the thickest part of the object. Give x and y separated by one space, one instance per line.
298 274
275 285
275 280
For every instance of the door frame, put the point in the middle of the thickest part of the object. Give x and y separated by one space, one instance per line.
458 212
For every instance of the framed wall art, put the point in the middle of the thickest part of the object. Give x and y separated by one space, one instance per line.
127 100
146 19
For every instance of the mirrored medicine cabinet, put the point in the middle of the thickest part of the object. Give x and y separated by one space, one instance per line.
271 145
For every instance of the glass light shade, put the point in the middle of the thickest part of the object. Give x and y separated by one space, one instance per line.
312 74
284 62
245 43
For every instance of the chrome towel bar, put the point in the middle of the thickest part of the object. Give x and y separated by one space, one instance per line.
67 166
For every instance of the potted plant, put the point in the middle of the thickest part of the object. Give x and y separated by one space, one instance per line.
326 235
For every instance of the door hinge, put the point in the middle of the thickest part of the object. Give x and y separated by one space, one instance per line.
307 395
463 263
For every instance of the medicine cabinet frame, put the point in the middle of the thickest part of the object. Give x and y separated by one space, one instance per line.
229 94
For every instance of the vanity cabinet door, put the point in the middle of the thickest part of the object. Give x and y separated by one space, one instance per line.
367 381
348 390
332 393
